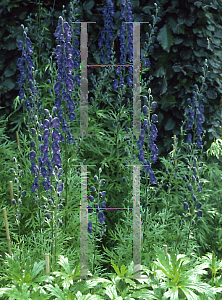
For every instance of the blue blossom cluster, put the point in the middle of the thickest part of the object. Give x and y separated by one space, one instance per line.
129 18
43 159
25 66
196 109
65 80
107 35
196 168
153 135
102 195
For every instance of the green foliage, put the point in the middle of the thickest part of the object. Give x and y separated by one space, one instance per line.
177 276
165 38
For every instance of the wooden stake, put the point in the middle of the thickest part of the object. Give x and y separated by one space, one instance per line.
175 147
47 263
11 190
7 231
17 136
165 249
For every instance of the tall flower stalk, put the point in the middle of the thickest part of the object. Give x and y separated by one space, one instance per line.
100 214
194 185
64 86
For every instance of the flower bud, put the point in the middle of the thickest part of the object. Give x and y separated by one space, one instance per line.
12 170
185 206
93 189
33 131
23 193
198 205
199 213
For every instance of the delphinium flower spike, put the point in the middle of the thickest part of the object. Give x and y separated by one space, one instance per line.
107 35
65 78
100 214
195 119
152 131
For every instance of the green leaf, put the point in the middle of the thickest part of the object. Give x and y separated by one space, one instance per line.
165 38
161 71
10 44
146 9
218 34
63 261
202 42
144 294
212 94
116 268
170 124
89 5
9 72
9 84
56 291
38 267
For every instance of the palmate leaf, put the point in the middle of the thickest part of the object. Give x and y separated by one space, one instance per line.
38 267
144 294
56 291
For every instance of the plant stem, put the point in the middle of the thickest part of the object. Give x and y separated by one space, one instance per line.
187 240
95 232
56 231
94 248
66 184
52 236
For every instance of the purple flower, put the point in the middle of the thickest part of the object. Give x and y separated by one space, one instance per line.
103 204
107 35
189 141
56 160
45 136
32 155
49 168
56 135
60 188
46 184
198 205
90 209
200 213
141 154
185 206
34 168
155 118
55 147
101 217
35 185
91 198
152 178
145 124
44 172
89 227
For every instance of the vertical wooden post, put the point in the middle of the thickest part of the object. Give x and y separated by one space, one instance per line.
11 190
7 231
17 136
175 147
47 263
165 249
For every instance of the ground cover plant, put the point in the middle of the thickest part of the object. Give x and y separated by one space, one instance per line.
180 200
